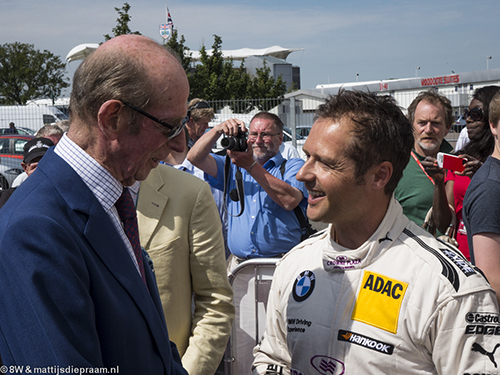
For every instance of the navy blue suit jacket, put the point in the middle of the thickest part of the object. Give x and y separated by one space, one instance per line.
70 293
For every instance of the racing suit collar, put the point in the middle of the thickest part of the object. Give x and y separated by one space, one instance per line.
339 258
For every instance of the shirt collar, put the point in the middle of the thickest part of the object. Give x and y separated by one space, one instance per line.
106 188
276 160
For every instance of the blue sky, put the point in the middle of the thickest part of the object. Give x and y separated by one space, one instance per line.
375 39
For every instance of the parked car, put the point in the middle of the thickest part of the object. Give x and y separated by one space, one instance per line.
20 131
459 124
303 130
11 156
287 137
30 116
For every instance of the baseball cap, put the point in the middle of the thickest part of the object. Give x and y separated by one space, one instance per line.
35 148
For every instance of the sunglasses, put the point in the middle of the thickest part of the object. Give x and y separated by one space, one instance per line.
476 114
174 130
200 105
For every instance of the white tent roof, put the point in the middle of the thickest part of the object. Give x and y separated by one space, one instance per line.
240 54
81 51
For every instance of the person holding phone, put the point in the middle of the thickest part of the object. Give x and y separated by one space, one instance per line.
474 153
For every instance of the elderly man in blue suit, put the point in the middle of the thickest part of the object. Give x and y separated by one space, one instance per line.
75 288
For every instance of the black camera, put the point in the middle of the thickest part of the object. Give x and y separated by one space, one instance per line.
235 142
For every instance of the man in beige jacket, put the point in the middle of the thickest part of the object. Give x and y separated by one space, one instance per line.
180 228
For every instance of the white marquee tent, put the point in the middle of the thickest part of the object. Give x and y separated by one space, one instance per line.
81 51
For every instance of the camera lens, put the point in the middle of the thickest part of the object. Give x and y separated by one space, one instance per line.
228 143
235 143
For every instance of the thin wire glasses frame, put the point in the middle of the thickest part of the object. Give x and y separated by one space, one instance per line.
264 136
174 130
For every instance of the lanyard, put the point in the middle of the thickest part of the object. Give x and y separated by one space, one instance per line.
421 166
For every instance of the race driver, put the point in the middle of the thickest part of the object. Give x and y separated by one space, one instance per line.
373 293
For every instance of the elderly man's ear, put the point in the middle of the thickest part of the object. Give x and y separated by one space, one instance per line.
112 120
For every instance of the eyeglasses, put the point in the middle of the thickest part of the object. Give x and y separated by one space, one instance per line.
263 136
476 114
174 130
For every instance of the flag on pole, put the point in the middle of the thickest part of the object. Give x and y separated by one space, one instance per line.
169 19
166 29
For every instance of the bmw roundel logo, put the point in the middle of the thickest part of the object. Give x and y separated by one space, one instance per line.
303 286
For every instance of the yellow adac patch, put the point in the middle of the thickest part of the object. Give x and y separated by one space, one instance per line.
379 301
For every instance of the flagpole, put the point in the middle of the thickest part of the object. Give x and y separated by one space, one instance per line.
167 28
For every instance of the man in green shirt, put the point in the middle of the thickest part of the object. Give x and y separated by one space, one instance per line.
431 116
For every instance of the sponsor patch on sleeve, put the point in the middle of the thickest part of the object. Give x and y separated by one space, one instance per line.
379 301
365 341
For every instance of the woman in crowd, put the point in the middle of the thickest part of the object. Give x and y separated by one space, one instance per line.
475 152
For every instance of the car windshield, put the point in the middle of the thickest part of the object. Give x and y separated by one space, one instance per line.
61 116
287 134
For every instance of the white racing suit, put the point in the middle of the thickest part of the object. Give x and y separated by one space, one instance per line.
402 303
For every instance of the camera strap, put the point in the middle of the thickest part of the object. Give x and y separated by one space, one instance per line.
235 194
305 225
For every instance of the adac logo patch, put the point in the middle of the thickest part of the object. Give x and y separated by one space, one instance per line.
303 286
379 301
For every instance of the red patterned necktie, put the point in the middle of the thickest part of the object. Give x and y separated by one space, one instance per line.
126 209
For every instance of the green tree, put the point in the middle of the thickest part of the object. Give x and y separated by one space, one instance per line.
27 74
216 78
210 79
264 86
122 21
181 50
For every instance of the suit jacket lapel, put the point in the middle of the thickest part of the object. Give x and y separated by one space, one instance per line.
114 255
108 245
150 205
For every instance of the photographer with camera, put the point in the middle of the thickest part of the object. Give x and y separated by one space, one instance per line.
268 226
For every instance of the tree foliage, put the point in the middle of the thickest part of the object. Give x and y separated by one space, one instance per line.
216 78
265 86
27 74
181 50
122 21
213 78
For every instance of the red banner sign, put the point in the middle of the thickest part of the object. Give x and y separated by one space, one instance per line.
445 80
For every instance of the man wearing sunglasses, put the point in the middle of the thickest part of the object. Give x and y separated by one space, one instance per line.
77 288
200 114
268 226
423 182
